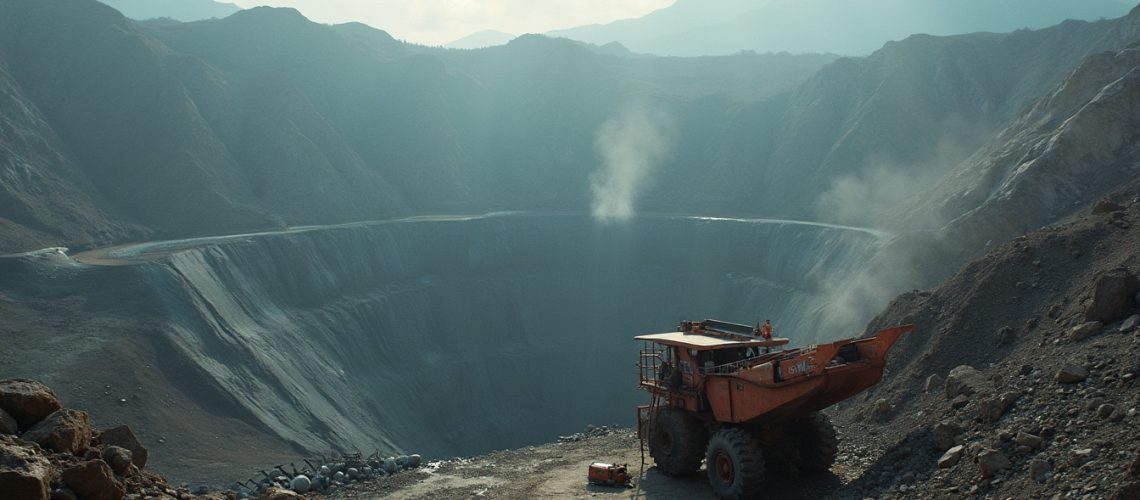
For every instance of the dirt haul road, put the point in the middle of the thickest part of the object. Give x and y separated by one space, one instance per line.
558 470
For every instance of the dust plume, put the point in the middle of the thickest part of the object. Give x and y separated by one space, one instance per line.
893 196
631 144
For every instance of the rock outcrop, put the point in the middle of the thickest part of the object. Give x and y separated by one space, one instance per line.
69 461
27 401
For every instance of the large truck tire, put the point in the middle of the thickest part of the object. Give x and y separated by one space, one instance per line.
677 442
815 442
807 446
735 464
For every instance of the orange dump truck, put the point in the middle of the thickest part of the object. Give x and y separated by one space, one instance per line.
732 396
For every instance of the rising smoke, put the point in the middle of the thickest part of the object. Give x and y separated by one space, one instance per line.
631 144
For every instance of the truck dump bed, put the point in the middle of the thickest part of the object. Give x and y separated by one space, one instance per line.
765 385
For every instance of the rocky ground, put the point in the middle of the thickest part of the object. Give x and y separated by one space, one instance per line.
1020 380
558 470
48 451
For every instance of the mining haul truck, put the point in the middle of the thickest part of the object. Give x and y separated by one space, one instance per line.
731 395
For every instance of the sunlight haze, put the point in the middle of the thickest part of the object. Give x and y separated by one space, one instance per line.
441 21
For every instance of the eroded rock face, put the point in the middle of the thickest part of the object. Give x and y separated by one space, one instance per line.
93 480
123 437
64 431
27 401
23 474
1112 296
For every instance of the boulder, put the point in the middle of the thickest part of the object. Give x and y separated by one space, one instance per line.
27 401
1113 294
990 410
1005 335
65 431
8 424
1085 330
1028 440
965 380
1105 206
276 493
951 457
1071 374
123 437
301 484
118 458
991 461
24 484
960 401
1130 323
933 382
945 435
1105 410
1082 456
882 407
414 461
93 480
23 473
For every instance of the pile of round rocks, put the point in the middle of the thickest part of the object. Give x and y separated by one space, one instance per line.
591 431
323 474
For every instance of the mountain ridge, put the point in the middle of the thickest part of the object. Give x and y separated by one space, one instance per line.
844 28
179 10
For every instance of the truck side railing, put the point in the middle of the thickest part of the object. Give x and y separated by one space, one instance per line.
736 366
649 365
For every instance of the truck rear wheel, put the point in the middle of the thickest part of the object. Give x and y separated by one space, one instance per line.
677 442
734 464
813 443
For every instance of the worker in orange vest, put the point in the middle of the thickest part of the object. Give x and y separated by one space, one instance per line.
766 332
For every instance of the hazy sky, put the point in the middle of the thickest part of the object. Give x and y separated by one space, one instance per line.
436 22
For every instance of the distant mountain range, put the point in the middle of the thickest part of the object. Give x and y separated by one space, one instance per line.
181 10
846 27
482 39
114 131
